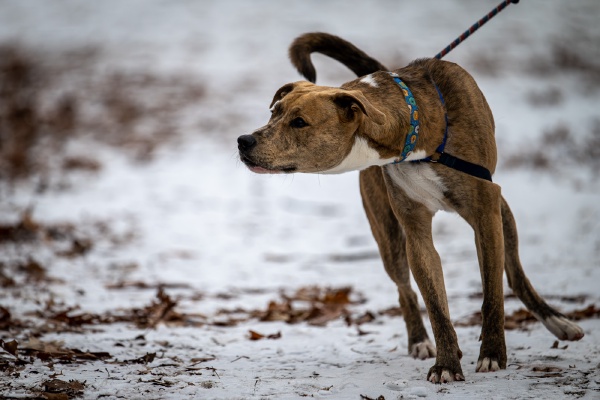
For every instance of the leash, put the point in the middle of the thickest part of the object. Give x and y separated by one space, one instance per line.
474 27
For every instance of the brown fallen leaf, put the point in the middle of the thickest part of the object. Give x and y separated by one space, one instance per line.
90 355
50 346
555 346
362 319
70 389
146 285
24 230
591 311
79 247
253 335
337 296
5 318
274 335
472 320
518 319
34 270
320 316
391 312
5 280
81 163
10 347
77 319
55 396
546 368
145 359
199 360
54 350
363 397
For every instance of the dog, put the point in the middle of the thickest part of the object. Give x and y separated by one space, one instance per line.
422 138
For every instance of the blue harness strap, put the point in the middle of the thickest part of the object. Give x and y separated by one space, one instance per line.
441 147
439 156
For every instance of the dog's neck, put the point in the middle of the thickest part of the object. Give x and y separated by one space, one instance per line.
413 134
424 125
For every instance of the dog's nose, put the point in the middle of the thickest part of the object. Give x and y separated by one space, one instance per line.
246 142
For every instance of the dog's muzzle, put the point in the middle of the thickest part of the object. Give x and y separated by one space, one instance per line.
245 145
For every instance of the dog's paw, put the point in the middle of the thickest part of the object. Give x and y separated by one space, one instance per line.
423 350
487 364
562 328
440 374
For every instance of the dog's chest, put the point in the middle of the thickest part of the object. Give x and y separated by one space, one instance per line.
420 183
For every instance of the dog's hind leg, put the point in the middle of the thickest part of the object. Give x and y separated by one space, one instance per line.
483 213
392 247
553 320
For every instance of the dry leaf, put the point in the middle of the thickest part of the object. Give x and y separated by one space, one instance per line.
253 335
546 368
590 311
71 388
10 347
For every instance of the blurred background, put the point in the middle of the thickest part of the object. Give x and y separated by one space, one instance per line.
118 154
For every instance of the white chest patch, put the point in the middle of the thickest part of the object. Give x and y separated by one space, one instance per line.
420 182
416 155
360 157
369 80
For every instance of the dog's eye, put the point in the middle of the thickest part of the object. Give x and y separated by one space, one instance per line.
298 123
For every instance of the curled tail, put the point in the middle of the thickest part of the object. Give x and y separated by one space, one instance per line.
332 46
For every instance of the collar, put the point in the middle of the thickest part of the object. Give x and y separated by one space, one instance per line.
413 132
439 156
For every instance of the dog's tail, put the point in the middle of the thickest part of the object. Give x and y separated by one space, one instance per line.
332 46
553 320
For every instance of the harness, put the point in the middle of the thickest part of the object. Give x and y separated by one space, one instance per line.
439 155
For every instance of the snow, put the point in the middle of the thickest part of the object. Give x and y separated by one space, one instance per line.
201 218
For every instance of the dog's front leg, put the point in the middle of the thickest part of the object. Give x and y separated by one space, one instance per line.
392 247
426 267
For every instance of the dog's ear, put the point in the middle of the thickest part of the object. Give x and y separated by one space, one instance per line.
285 89
353 101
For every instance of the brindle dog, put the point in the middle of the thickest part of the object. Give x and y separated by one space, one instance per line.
363 126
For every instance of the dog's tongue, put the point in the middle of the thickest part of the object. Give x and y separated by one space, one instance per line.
261 170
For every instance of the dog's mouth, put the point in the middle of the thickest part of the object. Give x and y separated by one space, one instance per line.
254 167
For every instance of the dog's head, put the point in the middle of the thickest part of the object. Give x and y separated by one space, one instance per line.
312 129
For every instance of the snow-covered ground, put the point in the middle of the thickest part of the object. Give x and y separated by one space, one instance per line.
218 237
